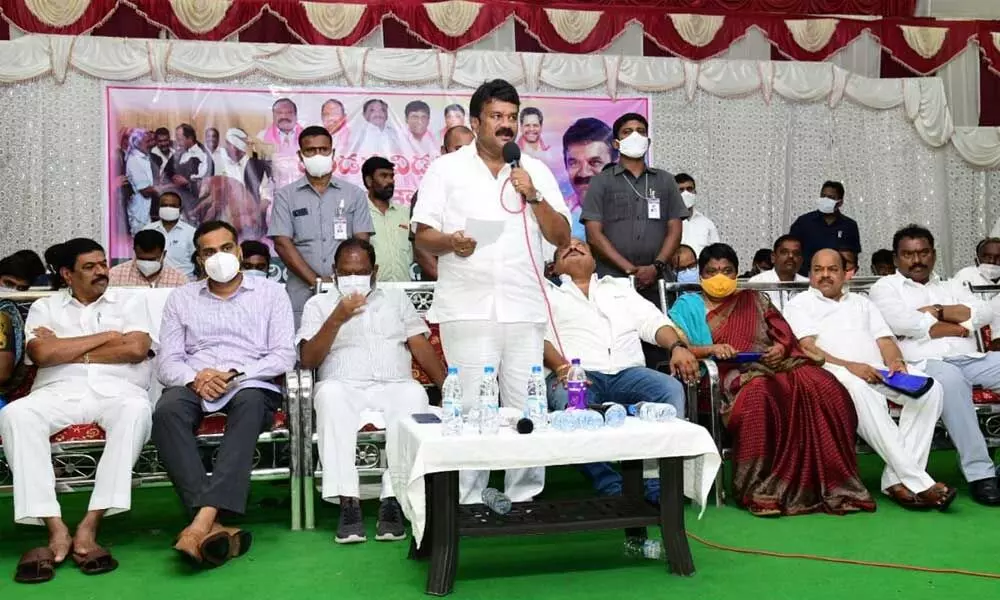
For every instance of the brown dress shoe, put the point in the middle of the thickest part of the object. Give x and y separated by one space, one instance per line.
239 541
201 548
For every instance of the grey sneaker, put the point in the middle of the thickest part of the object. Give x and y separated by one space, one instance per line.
390 522
351 529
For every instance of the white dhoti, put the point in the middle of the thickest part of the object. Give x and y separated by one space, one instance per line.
903 447
512 349
339 405
26 425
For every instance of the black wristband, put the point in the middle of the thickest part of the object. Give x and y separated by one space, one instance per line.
674 346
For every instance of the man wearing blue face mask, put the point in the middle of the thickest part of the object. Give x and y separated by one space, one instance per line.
686 264
826 227
362 340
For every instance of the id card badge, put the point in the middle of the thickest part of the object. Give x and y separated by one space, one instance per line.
652 206
340 229
340 223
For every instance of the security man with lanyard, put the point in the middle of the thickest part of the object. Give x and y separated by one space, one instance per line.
633 212
313 215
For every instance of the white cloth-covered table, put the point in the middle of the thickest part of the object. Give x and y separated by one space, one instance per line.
415 450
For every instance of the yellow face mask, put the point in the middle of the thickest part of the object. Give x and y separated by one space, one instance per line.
719 286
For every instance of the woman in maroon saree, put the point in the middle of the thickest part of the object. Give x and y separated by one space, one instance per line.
793 424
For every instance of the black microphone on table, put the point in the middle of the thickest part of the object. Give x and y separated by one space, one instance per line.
525 425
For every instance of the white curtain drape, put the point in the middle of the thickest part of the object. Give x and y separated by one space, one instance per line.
961 86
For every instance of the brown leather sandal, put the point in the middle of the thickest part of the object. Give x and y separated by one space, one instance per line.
907 499
939 497
37 565
96 562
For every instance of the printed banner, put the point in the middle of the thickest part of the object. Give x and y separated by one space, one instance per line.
226 150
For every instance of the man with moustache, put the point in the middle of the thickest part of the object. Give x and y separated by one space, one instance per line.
334 118
179 235
488 298
313 215
588 145
377 136
455 138
390 221
848 331
90 345
937 321
787 260
283 135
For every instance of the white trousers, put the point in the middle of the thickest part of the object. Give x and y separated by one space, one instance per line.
26 425
903 447
512 349
338 416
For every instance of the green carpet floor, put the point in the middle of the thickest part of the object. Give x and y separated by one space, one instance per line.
286 564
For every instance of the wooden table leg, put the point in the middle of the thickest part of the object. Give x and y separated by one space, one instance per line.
424 551
675 541
632 487
444 533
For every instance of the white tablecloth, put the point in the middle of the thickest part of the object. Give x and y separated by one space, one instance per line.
415 450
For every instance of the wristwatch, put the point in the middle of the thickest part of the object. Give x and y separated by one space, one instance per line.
674 346
538 198
661 266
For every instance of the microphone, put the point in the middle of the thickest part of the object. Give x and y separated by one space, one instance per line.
525 426
512 154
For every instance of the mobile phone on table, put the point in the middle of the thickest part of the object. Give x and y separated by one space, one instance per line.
425 418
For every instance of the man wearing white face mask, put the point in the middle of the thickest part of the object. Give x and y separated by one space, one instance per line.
633 212
361 339
699 231
223 343
826 227
179 234
986 271
147 269
312 216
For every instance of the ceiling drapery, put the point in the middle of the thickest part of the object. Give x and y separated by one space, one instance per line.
567 26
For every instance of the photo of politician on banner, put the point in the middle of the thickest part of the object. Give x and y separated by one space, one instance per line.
225 151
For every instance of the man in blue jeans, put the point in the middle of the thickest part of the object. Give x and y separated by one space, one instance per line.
603 322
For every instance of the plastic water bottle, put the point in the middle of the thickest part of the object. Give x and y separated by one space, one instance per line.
576 385
451 404
565 420
496 501
489 403
636 547
589 420
536 407
614 413
653 411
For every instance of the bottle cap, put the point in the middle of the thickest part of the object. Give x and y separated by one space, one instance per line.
575 361
487 369
536 369
453 370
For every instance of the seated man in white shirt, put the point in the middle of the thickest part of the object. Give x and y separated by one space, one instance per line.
361 341
936 322
90 346
986 271
850 333
787 260
699 231
603 322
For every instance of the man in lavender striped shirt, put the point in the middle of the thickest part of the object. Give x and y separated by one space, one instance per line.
223 342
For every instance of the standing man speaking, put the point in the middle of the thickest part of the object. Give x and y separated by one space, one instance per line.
489 298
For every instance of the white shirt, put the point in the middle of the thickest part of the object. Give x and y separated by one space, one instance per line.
371 347
195 152
771 276
372 141
699 231
180 245
972 276
847 328
603 330
498 281
228 167
898 299
67 318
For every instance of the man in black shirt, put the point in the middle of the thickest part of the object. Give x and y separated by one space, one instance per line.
826 227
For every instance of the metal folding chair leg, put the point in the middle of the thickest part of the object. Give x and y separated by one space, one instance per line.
308 462
295 446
